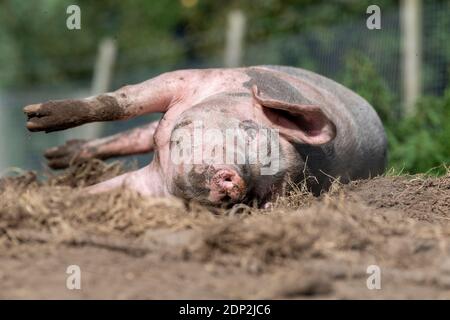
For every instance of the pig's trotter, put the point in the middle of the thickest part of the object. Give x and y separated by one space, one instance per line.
72 151
135 141
56 115
65 114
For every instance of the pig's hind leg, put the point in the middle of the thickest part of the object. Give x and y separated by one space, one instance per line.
135 141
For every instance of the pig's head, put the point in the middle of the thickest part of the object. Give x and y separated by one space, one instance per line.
240 147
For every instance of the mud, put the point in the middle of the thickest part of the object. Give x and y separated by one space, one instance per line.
48 117
128 246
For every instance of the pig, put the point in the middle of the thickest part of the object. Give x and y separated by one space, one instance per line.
287 125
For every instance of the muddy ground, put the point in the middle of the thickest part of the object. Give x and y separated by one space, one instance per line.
128 246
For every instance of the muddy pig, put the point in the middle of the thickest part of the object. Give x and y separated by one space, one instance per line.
241 135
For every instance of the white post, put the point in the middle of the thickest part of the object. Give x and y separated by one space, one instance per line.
104 66
101 83
411 28
234 39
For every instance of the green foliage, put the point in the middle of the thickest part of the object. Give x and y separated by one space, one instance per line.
421 142
417 143
36 46
361 76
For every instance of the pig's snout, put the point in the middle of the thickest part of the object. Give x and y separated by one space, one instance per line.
226 184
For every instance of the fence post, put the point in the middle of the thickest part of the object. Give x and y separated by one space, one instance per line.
101 82
234 38
411 34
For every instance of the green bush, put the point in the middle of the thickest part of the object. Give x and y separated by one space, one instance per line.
419 143
360 75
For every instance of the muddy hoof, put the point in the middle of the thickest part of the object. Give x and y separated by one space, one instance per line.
63 156
56 115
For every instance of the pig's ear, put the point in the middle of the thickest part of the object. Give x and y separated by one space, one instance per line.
302 123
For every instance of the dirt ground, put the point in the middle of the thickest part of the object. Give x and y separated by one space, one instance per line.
131 247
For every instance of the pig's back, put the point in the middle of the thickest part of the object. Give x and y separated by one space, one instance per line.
367 153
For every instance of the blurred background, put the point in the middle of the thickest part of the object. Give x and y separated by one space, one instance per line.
402 69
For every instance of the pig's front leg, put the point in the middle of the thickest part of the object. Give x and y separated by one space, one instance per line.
146 181
135 141
154 95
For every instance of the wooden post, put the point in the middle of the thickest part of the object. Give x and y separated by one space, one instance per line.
234 39
104 66
411 34
101 83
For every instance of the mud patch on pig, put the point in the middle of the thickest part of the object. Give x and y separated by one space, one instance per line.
107 108
129 246
274 87
64 114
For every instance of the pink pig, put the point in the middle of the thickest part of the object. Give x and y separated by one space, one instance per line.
227 135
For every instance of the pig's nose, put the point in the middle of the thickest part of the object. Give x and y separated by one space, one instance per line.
226 183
